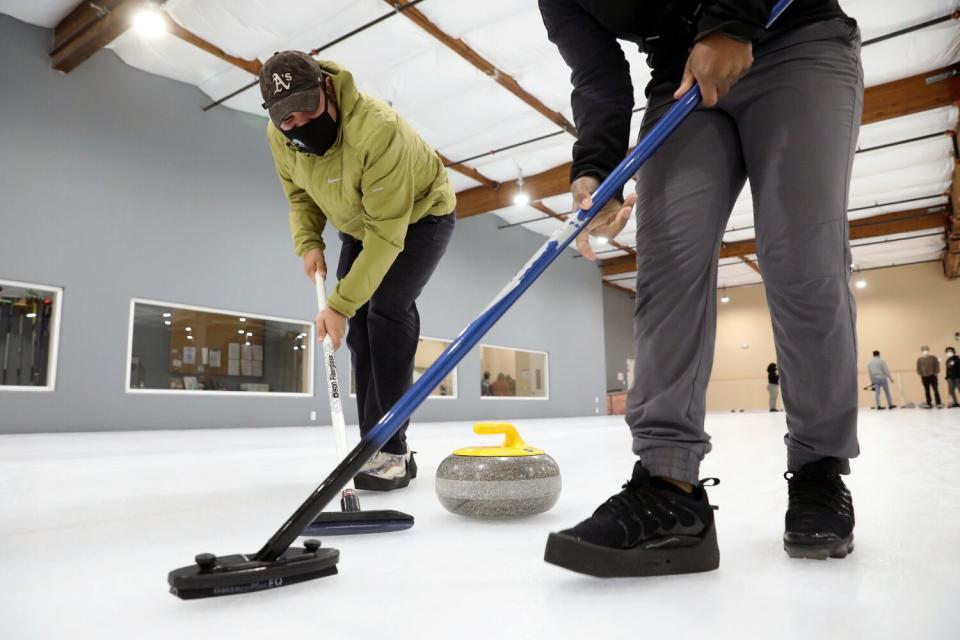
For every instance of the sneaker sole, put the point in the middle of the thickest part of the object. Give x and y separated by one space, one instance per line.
836 549
603 562
367 482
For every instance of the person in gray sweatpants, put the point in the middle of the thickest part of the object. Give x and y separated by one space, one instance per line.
880 378
790 126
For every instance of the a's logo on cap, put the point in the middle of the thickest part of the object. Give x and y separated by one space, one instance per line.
279 83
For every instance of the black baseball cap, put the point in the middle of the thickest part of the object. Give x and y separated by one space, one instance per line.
290 81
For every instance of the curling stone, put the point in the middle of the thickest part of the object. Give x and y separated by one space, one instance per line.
498 483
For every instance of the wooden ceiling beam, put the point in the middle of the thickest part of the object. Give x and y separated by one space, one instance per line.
922 92
502 78
542 185
750 263
250 66
81 18
87 29
469 172
881 225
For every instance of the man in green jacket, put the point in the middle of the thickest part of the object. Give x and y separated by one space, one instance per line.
348 158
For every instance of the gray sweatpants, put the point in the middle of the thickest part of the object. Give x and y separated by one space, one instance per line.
791 126
878 384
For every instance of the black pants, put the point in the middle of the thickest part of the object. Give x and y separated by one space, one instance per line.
930 382
382 336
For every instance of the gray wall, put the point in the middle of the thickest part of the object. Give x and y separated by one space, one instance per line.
114 184
618 335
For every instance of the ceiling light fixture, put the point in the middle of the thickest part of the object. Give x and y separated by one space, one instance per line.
861 284
167 322
602 240
149 21
166 315
189 337
520 198
189 329
241 332
243 319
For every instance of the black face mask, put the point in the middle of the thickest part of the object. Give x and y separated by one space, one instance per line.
317 136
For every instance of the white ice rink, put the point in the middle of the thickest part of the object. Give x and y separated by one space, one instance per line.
90 525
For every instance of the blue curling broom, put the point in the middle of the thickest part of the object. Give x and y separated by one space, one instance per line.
277 563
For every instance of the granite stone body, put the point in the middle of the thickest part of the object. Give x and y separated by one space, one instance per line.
498 488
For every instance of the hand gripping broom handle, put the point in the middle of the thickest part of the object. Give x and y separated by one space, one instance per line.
391 422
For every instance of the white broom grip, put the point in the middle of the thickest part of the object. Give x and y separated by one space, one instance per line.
334 390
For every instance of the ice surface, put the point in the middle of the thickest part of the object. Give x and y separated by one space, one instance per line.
90 525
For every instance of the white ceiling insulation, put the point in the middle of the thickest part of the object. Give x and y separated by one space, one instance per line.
463 113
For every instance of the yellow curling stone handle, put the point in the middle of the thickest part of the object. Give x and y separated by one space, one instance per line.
513 445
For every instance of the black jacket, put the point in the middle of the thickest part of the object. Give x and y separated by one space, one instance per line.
952 366
586 32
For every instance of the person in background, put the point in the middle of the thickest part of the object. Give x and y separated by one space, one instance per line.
880 378
952 367
485 384
928 367
773 385
499 386
347 158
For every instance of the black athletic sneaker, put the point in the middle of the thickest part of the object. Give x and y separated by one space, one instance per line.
651 528
819 521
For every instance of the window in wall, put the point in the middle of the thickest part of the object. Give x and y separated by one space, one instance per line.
428 350
29 335
176 348
513 373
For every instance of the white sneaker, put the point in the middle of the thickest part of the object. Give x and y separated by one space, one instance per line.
386 471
